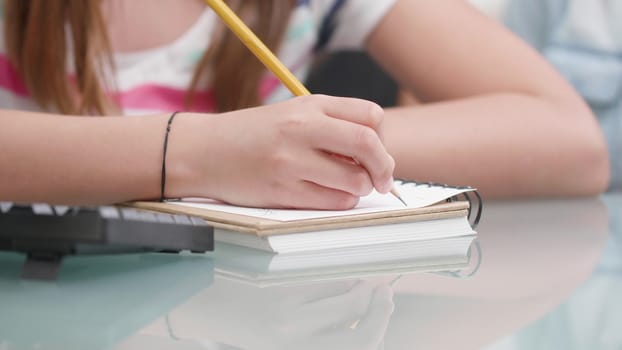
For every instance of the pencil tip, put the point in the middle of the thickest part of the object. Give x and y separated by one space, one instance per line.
397 195
401 200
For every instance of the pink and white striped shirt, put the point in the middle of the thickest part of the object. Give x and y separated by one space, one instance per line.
156 80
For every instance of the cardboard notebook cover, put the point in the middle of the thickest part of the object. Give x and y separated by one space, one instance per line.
266 227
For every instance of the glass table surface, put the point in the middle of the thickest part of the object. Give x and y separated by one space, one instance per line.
544 274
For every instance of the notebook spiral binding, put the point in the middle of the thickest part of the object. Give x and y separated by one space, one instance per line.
474 215
475 201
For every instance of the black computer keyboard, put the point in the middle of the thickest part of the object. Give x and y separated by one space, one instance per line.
48 233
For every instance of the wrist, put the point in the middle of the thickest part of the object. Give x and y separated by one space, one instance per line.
169 123
183 174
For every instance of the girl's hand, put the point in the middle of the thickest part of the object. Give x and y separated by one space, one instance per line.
294 154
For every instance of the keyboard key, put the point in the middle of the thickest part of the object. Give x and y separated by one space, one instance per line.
165 218
61 210
5 207
198 221
147 216
182 219
130 214
109 212
42 209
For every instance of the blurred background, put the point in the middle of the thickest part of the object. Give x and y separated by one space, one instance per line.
354 74
492 7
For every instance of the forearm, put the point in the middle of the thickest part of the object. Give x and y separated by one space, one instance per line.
79 160
503 144
273 156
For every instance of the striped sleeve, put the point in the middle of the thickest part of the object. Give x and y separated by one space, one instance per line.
346 24
534 20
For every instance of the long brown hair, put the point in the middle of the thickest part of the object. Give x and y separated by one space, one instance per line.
37 46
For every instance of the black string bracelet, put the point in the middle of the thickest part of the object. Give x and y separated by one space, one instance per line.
163 178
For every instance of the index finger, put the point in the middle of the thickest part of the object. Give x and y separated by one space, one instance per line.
354 110
357 142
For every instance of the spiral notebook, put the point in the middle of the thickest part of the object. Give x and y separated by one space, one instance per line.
434 212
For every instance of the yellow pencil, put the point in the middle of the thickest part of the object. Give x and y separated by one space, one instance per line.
259 49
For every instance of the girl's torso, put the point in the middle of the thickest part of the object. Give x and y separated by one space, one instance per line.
157 45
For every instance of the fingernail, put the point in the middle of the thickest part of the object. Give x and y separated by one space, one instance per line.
377 110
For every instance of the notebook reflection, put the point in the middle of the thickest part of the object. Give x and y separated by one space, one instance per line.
521 278
263 269
310 300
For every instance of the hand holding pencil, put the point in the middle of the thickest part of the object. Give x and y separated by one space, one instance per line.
256 46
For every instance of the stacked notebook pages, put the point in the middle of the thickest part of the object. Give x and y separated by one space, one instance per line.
434 231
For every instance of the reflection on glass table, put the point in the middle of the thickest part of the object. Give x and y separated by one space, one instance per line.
592 317
96 301
535 253
264 269
536 256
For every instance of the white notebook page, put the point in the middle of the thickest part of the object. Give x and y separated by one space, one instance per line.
415 195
